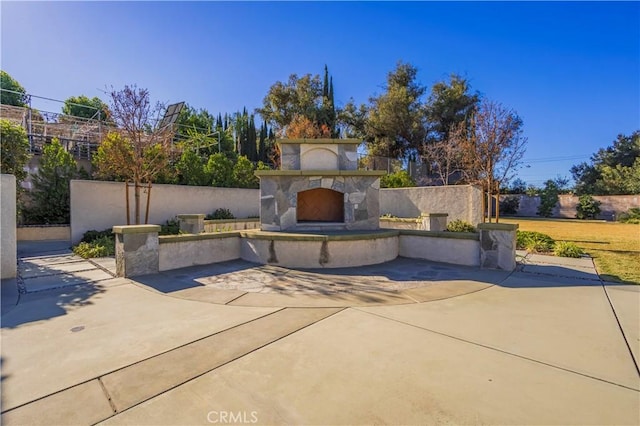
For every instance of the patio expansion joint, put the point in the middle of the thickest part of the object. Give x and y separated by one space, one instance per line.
108 397
196 376
106 394
460 339
101 268
624 336
137 362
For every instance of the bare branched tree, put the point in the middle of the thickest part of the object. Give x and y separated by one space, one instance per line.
494 145
138 152
446 156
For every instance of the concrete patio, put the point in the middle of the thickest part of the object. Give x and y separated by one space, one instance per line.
406 342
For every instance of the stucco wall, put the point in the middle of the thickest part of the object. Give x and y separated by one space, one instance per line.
101 205
611 207
448 250
176 252
462 202
8 253
43 232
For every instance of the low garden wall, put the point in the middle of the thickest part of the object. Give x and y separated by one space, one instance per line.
140 251
426 222
223 225
459 248
181 251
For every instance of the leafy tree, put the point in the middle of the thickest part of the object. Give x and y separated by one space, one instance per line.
396 124
549 195
12 92
14 150
493 144
82 106
51 193
449 104
243 176
139 153
220 168
352 119
190 169
613 170
302 127
518 186
304 96
192 120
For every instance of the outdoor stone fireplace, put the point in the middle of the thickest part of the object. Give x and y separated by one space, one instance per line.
319 187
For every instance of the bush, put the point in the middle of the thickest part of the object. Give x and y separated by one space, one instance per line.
170 227
631 216
220 214
460 226
93 235
102 246
548 198
567 249
532 241
587 207
399 179
509 205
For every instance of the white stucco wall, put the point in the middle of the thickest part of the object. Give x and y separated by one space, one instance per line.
8 250
319 157
100 205
462 202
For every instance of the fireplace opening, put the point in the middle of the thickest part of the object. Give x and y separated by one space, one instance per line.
320 205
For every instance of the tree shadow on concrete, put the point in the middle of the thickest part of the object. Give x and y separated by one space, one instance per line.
45 305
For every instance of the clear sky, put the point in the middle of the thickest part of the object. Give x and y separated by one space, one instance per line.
571 70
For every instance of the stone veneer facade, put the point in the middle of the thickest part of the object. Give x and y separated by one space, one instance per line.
319 163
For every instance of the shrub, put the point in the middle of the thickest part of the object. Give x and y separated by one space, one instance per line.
567 249
509 205
587 207
399 179
220 214
93 235
631 216
170 227
388 216
460 226
14 149
102 246
532 241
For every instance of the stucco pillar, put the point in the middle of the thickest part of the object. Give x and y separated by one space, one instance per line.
434 221
8 254
191 223
137 250
498 245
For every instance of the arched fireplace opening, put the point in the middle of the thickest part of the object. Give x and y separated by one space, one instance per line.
320 205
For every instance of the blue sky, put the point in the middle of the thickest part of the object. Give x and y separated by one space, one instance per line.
571 70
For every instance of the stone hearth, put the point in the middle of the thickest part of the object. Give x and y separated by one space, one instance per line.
319 186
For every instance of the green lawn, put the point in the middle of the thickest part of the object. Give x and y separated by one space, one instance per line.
615 247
